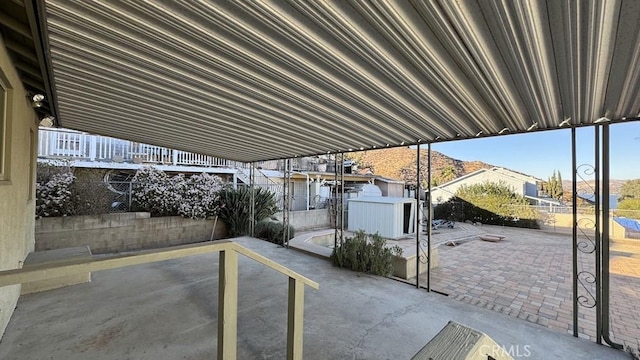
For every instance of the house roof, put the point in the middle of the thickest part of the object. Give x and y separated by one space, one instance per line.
389 181
258 80
496 170
382 199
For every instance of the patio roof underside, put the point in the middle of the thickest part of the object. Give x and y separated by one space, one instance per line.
255 80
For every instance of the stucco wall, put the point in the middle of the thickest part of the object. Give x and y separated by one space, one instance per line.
16 209
110 233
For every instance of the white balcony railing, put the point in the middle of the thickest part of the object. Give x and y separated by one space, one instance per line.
74 145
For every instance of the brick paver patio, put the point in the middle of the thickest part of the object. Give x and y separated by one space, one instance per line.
528 276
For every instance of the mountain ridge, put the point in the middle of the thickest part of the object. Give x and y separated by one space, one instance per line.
400 164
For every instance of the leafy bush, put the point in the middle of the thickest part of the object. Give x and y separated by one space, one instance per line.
629 204
366 253
235 209
62 190
489 203
161 195
54 197
272 231
199 196
155 192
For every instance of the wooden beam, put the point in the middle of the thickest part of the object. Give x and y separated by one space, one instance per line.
48 271
295 320
228 305
15 25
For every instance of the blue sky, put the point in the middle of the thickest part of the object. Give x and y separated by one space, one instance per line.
540 153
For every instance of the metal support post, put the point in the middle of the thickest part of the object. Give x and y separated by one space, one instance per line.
341 230
574 204
286 203
604 281
335 203
418 216
598 259
429 219
252 204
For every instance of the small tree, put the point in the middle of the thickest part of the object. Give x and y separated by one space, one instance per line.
559 187
553 187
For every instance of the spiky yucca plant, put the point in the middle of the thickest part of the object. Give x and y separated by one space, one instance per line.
235 210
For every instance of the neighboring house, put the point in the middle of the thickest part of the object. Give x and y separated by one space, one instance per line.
390 187
83 150
312 189
521 184
119 159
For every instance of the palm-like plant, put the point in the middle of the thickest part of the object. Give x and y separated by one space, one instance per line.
235 208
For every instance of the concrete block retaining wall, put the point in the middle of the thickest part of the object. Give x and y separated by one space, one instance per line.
109 233
303 220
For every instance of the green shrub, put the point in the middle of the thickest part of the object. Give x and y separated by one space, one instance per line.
489 203
272 231
235 211
366 253
629 204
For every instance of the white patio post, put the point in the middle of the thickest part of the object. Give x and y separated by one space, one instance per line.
228 305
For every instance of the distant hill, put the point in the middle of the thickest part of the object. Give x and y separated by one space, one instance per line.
400 163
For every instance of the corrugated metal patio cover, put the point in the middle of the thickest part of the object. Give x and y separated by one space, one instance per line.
256 80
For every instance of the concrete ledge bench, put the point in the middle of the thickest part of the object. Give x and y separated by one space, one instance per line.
50 257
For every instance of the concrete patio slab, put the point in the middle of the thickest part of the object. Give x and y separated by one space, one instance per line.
167 310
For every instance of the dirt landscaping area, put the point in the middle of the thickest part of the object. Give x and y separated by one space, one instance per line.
528 276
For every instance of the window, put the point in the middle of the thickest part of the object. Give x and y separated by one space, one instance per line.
67 144
4 136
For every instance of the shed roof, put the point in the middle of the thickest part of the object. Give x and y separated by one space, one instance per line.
382 199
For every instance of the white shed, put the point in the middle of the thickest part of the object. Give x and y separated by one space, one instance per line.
392 217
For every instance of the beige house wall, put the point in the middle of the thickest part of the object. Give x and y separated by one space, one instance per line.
17 183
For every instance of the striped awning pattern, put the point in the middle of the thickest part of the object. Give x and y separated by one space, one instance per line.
258 80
